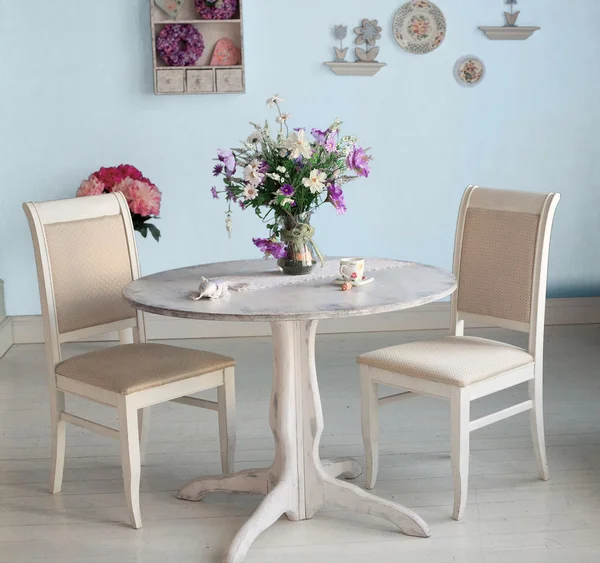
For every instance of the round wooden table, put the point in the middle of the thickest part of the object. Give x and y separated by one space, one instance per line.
299 482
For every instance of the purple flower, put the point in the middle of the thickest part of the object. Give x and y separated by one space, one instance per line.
319 135
227 158
275 249
331 141
336 198
217 169
242 205
287 190
229 194
358 160
263 168
214 193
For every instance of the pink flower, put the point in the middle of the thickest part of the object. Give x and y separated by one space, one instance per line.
144 199
124 187
129 171
110 176
91 186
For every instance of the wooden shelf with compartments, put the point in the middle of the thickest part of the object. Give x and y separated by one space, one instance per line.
202 78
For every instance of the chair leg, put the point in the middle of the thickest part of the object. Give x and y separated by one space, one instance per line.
59 431
227 431
130 459
143 429
537 426
460 449
369 406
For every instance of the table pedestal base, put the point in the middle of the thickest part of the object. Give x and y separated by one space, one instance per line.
298 483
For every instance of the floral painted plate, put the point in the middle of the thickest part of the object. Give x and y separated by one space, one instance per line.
419 27
469 70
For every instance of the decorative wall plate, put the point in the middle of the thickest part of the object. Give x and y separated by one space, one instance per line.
419 27
469 70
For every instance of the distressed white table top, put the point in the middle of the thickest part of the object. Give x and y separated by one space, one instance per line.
166 293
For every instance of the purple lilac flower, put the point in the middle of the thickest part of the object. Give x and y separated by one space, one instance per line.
242 204
228 159
358 161
287 190
263 168
275 249
217 169
331 141
336 198
319 135
214 193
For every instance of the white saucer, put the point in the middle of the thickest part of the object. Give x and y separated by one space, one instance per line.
340 281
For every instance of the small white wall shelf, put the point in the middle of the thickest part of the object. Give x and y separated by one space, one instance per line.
355 69
508 33
201 78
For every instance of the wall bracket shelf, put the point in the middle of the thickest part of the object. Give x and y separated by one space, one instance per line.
508 33
355 69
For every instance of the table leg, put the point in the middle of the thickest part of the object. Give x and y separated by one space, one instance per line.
298 483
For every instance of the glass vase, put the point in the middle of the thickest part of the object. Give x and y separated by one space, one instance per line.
301 251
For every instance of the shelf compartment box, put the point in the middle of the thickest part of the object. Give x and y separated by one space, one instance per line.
210 34
170 81
186 13
200 81
229 80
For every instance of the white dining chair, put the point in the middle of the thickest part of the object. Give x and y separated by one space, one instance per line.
86 254
501 263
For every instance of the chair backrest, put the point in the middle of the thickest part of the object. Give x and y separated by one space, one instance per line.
501 259
85 254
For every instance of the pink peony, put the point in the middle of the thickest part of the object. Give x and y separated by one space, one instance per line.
129 171
110 176
144 199
91 186
124 187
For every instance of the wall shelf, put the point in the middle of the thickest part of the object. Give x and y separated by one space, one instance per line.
508 33
355 69
201 78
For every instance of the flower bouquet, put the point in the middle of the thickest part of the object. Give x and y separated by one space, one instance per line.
285 178
142 196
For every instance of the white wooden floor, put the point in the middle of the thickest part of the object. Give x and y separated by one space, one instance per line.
511 518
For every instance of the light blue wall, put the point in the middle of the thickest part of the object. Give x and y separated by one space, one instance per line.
76 93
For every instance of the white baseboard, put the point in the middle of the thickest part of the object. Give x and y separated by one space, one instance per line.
585 310
6 336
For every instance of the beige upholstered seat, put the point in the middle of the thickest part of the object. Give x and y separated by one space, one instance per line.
136 367
454 360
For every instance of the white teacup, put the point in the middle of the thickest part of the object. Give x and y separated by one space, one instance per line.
352 269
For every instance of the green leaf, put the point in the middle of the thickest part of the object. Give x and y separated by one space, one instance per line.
154 231
143 230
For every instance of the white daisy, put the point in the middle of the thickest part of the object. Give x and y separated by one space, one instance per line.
283 117
297 144
250 192
315 182
254 138
283 153
274 100
252 175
